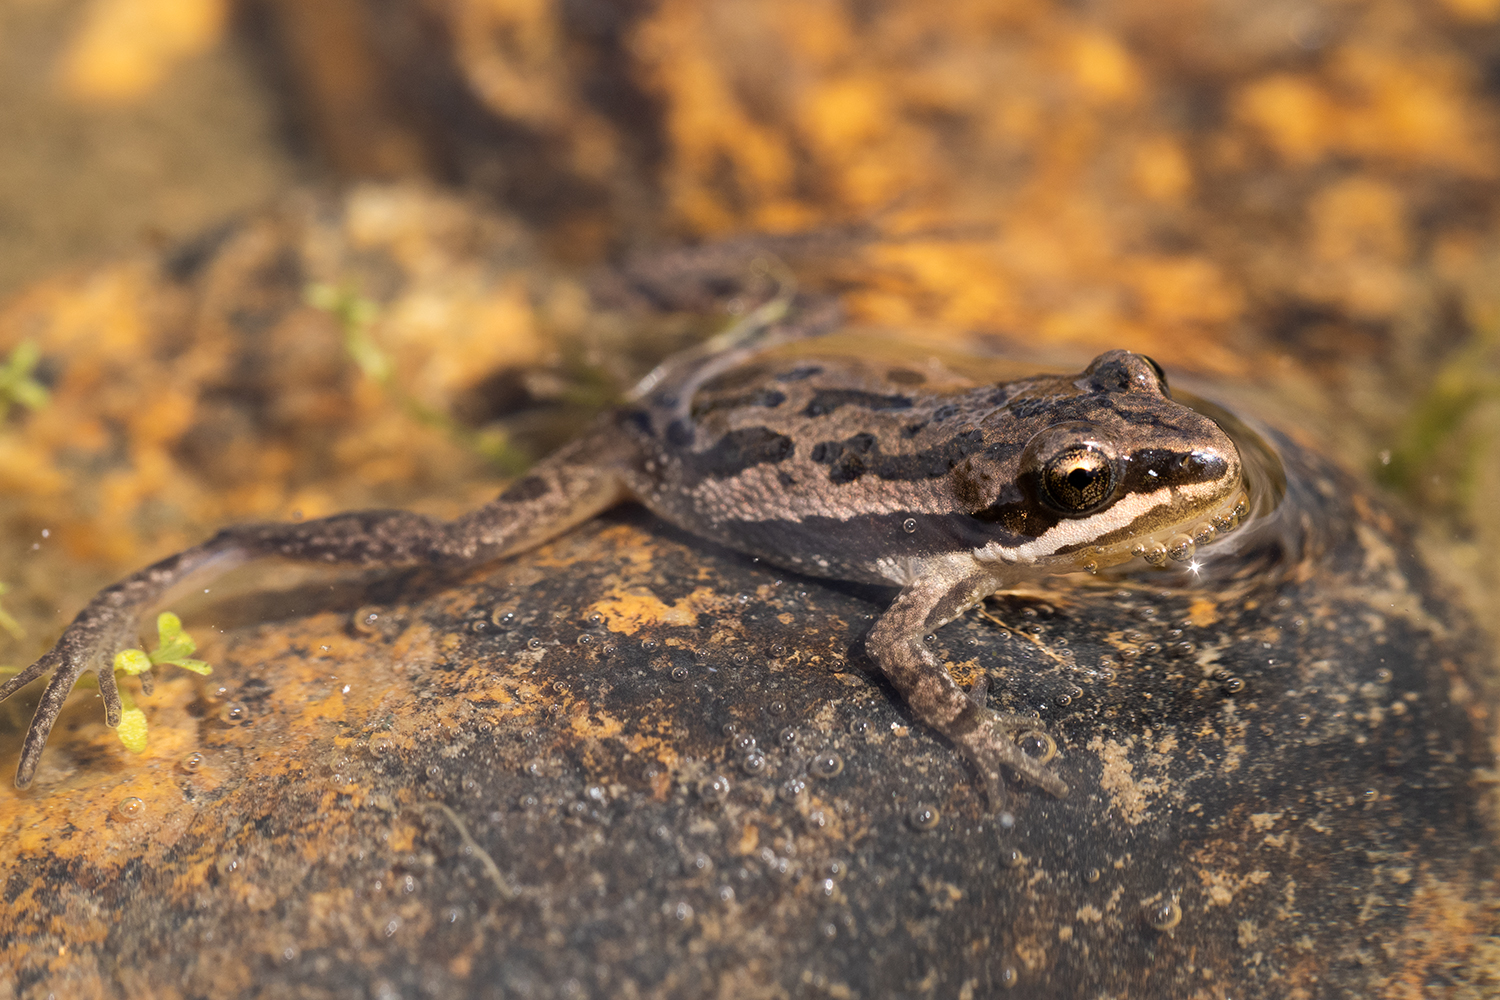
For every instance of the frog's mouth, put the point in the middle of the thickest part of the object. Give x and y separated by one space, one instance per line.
1186 545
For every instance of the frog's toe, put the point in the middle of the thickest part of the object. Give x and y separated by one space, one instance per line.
992 745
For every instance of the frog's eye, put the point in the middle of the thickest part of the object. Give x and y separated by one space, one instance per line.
1078 480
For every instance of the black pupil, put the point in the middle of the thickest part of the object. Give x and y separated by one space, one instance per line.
1078 481
1080 478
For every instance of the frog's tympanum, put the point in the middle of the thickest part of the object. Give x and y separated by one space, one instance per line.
833 468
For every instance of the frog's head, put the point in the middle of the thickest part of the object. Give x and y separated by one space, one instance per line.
1103 467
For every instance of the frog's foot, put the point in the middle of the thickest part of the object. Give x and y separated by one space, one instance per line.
90 643
989 740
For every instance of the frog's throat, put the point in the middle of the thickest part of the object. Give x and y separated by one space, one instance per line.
1136 521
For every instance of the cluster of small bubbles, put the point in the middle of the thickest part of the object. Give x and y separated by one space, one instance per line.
129 809
234 713
366 621
679 673
533 643
726 893
909 525
744 742
409 884
1163 916
596 794
434 772
828 887
649 645
755 763
1091 875
816 819
1010 857
826 765
585 639
788 736
859 727
791 789
923 817
193 762
392 926
714 789
776 708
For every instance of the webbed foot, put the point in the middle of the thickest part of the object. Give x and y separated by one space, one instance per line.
89 644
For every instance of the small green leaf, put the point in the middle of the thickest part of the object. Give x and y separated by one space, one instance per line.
132 662
172 643
132 729
196 666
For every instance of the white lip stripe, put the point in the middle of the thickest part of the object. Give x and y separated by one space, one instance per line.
1084 530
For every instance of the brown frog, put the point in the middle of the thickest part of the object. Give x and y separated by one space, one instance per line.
830 467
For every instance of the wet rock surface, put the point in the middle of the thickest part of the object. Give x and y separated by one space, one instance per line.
631 764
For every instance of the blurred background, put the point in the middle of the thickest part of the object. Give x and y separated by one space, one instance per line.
1293 199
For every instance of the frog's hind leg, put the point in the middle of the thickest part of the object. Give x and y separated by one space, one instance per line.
897 643
566 489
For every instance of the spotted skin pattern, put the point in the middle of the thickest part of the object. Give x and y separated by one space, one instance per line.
831 467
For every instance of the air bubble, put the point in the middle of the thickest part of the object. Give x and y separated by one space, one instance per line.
434 772
596 619
1163 916
1180 548
1037 745
776 708
715 789
234 713
924 817
1091 875
826 765
744 743
909 525
682 912
1010 857
739 659
479 627
788 736
1009 977
585 639
503 619
130 809
533 643
755 764
791 789
1091 568
1232 685
649 645
859 727
1203 534
1383 675
193 762
1155 554
778 649
679 673
726 893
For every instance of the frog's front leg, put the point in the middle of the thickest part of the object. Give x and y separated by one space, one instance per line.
566 489
938 592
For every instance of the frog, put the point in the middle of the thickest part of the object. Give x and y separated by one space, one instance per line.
827 466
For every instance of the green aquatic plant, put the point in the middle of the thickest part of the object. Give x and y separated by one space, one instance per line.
356 316
18 384
173 646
